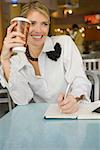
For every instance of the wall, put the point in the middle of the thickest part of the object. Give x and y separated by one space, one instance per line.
4 21
7 12
1 26
14 11
92 34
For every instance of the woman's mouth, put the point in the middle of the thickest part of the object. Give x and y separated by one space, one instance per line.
37 36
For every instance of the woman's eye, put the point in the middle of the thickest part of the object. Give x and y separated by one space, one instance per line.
32 23
45 23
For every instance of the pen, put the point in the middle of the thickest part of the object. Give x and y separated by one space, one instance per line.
66 93
67 90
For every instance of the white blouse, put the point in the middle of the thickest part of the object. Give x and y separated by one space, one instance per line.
24 85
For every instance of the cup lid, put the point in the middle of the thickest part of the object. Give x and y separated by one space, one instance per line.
20 19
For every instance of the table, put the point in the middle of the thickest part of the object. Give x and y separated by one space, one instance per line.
24 128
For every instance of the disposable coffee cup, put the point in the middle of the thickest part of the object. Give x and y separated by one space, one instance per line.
22 26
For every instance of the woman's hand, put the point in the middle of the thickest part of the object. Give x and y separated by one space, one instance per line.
68 105
11 41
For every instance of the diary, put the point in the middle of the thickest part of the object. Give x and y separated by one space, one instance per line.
85 112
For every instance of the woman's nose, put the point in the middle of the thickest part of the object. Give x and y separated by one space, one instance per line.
38 28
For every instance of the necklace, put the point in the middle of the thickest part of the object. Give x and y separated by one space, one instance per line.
29 56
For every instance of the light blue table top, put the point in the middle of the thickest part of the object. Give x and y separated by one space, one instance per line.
24 128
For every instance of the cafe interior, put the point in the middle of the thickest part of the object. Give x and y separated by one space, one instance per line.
79 19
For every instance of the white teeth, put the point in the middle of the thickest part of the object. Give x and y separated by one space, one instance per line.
37 37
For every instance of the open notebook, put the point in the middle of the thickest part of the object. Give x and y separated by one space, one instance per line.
84 112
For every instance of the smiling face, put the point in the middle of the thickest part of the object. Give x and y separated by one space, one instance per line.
39 28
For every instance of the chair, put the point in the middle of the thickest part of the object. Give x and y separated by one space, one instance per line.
5 97
92 64
92 68
95 85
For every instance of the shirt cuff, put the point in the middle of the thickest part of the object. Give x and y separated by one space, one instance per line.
81 96
3 81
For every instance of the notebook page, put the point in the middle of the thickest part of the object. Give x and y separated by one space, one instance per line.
53 111
84 112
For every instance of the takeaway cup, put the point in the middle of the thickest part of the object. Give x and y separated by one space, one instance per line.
22 26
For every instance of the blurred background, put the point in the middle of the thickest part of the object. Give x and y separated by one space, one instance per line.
78 18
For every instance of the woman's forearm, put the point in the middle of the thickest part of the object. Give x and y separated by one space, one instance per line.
6 68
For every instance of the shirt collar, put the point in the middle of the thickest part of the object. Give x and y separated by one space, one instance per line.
48 45
23 61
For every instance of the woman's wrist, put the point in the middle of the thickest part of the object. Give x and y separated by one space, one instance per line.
79 98
4 60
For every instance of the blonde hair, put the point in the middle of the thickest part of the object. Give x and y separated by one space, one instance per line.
36 5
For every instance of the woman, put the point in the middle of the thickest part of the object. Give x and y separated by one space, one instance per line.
49 65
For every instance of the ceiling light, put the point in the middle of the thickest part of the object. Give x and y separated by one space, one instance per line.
70 11
98 27
14 3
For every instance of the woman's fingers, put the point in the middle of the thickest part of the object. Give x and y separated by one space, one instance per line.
16 34
17 40
67 101
13 40
68 105
71 109
60 98
10 28
13 36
